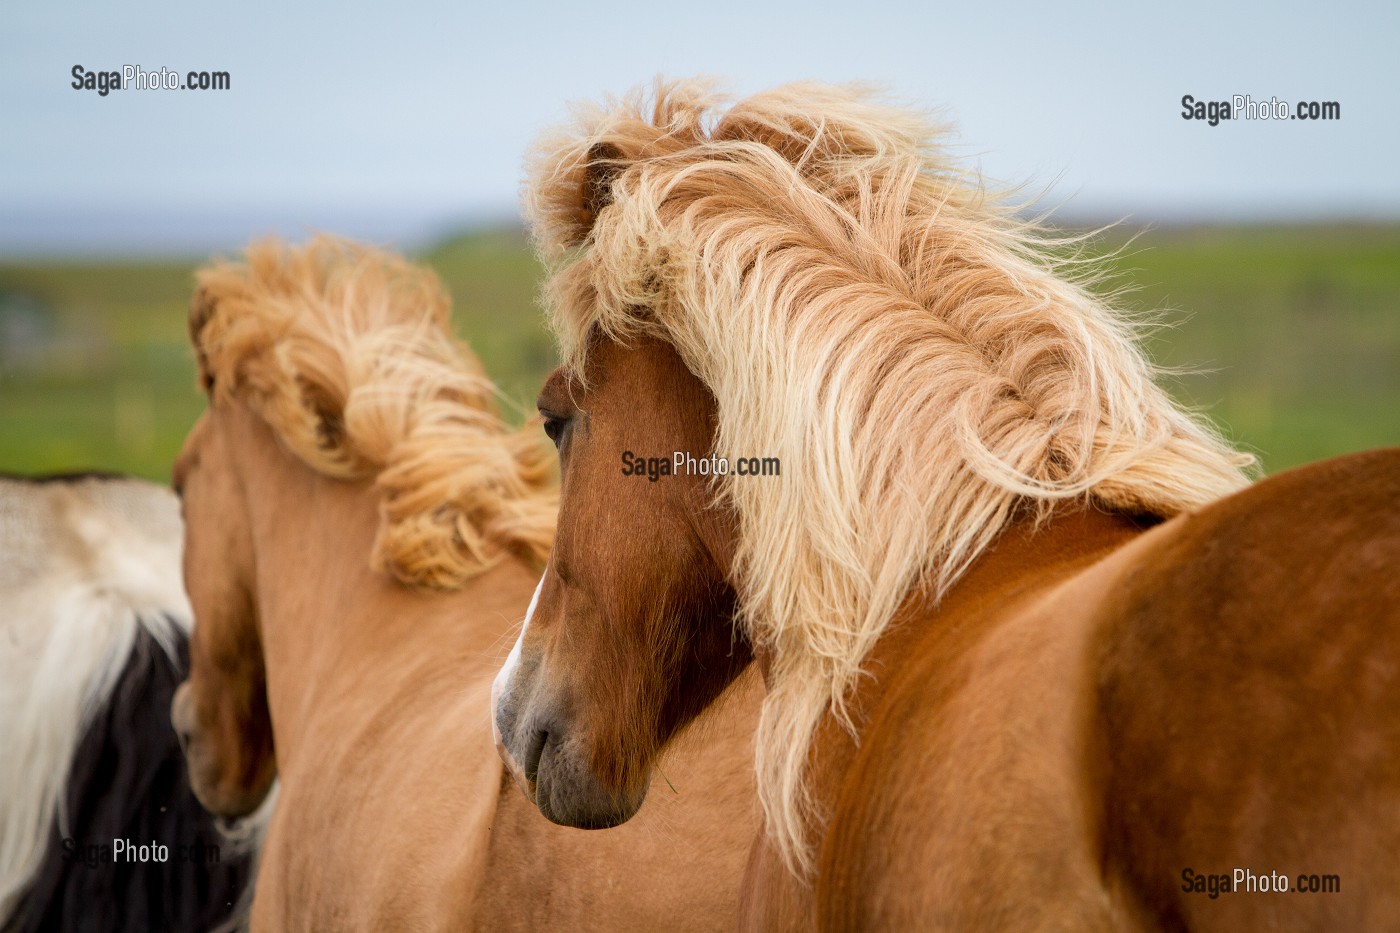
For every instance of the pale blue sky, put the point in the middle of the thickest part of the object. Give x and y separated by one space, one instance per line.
401 124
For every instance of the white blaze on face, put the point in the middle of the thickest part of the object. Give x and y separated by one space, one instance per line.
507 670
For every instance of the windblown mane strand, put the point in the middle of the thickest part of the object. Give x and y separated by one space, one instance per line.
923 365
345 352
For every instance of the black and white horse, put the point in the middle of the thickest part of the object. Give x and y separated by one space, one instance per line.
99 829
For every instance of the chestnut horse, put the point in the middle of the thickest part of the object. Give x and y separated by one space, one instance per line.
345 422
1036 654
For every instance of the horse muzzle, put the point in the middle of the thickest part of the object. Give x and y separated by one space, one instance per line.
547 758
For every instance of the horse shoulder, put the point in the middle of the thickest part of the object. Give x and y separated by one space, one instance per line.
965 805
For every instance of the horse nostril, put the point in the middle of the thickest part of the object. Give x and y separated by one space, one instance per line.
533 754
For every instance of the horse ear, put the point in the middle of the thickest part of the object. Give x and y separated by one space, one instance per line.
201 310
604 164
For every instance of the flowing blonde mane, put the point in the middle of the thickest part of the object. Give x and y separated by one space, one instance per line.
914 353
346 352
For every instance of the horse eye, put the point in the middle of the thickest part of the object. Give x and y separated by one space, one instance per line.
554 426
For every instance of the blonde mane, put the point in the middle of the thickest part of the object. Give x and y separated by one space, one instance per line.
923 365
346 352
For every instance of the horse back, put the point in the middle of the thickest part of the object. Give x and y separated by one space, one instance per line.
1098 708
1247 707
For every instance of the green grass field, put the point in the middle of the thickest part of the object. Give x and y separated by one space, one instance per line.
1293 334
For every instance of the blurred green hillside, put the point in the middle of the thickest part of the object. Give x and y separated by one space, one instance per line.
95 370
1293 334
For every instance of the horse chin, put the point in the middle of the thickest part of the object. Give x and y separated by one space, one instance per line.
212 793
205 769
567 793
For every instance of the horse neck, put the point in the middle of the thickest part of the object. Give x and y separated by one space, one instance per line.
1028 557
332 627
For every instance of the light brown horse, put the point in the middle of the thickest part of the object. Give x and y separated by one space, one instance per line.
1037 657
343 422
